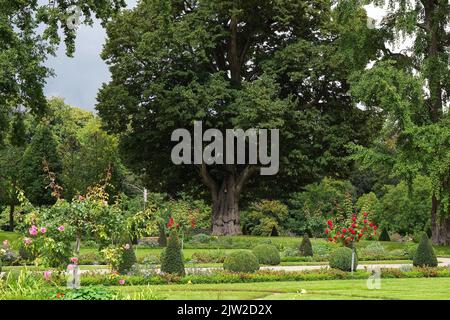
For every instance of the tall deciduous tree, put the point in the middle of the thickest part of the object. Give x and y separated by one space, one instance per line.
232 64
412 89
23 48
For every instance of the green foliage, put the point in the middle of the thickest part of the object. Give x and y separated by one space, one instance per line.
265 218
241 261
33 179
309 210
342 259
267 254
305 249
127 260
172 260
162 238
369 203
425 256
405 210
89 293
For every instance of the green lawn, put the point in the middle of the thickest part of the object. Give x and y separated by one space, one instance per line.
415 289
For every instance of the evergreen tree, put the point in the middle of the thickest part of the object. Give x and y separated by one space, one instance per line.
305 248
425 256
33 179
172 260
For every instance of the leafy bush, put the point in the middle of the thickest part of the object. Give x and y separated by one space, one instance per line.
172 259
241 261
264 218
341 259
267 254
201 238
90 258
89 293
373 251
406 213
209 257
151 259
308 210
128 259
425 256
306 247
162 238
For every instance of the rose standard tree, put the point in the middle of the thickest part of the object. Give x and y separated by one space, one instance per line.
349 231
233 65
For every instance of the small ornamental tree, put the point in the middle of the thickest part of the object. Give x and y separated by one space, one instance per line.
306 247
127 260
350 231
425 256
172 260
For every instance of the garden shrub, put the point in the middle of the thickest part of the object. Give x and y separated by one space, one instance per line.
201 238
306 247
241 261
89 293
384 235
172 259
264 218
90 258
425 256
151 259
374 251
267 254
341 259
128 259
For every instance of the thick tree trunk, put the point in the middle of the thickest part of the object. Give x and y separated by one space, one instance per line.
226 217
440 227
225 199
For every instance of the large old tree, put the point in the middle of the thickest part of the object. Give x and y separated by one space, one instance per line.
411 89
231 64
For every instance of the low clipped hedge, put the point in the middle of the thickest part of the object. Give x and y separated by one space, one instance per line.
241 261
341 259
260 276
267 254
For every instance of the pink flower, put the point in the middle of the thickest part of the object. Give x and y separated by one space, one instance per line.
33 231
47 275
80 198
43 230
74 260
70 267
61 228
122 282
27 241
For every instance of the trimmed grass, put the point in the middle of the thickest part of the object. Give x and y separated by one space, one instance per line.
412 289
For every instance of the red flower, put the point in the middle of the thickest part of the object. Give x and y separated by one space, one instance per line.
171 223
375 228
344 230
193 224
327 231
330 239
365 214
371 224
330 223
360 235
353 225
365 221
342 236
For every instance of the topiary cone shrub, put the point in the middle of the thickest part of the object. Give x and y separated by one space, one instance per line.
425 256
241 261
305 248
385 235
267 254
342 259
172 259
128 259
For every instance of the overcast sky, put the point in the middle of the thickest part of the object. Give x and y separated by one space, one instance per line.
78 79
